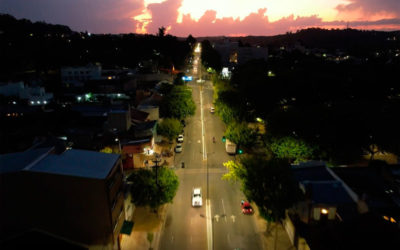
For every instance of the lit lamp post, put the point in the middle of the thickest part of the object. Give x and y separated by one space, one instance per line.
119 144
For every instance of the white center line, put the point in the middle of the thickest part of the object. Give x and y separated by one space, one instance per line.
202 125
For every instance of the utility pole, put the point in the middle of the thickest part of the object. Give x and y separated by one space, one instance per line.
156 160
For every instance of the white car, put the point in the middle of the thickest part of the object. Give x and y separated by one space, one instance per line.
212 110
197 200
180 138
178 148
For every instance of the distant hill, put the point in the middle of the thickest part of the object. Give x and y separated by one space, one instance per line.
11 25
344 39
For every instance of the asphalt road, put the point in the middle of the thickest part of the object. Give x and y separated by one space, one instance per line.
223 226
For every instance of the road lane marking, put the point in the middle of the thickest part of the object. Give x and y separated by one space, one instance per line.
223 208
202 125
229 239
172 238
209 225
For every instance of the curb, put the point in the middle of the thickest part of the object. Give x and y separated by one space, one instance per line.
157 235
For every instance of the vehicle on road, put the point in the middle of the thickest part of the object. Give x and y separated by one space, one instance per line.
212 110
197 200
246 208
178 148
180 138
230 147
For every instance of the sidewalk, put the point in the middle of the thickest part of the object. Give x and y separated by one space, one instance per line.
276 231
146 221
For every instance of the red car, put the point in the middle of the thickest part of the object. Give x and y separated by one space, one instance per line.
246 208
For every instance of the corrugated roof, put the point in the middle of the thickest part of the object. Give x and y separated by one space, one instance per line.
81 163
15 162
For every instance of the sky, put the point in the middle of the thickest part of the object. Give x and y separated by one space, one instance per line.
208 17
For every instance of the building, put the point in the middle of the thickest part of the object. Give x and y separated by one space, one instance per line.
75 195
333 216
33 95
119 119
78 75
232 54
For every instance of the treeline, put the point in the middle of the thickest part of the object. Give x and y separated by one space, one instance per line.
315 108
40 47
351 41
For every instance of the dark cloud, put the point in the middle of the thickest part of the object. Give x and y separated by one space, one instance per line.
163 14
97 16
371 6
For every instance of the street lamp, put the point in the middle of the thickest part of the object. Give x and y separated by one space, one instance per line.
119 144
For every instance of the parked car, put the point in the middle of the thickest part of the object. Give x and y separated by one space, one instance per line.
246 208
183 122
180 138
212 110
197 200
178 148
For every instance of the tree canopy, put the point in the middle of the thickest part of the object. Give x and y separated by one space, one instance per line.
178 103
240 134
294 149
267 182
170 128
146 192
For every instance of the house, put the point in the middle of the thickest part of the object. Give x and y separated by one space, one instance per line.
327 197
75 195
377 187
333 216
139 144
151 105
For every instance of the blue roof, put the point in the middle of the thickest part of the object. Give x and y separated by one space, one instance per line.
313 173
329 192
15 162
81 163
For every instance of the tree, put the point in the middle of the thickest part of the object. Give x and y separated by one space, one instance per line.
267 182
146 192
240 134
191 40
170 128
291 148
178 80
178 103
210 57
229 106
161 31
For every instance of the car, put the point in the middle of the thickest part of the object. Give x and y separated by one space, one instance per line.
197 200
178 148
246 208
180 138
212 110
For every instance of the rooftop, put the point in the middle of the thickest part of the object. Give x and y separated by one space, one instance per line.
80 163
